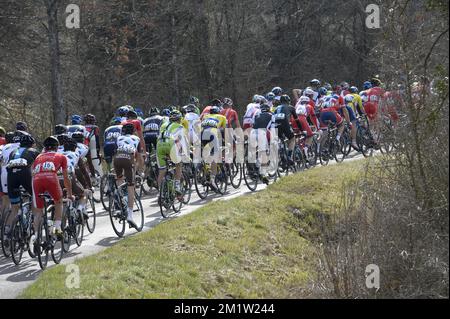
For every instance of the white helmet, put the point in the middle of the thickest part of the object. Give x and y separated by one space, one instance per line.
301 110
304 100
308 91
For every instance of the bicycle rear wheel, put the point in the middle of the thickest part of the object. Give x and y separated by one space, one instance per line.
6 242
115 215
201 181
43 245
166 199
91 221
104 192
17 242
235 175
251 176
138 213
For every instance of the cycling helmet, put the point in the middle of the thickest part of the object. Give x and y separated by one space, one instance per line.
26 140
227 101
2 131
62 138
337 88
128 129
70 145
9 137
190 108
285 99
78 137
354 89
345 85
123 110
132 114
194 100
154 111
304 100
277 90
165 112
309 92
139 112
367 85
76 119
216 102
375 82
214 110
349 98
21 126
116 121
51 143
175 116
270 96
323 91
90 119
60 129
315 82
264 108
328 87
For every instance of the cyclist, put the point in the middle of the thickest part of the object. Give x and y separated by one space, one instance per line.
315 85
278 93
196 102
270 97
283 115
213 125
345 89
252 110
94 144
374 96
81 170
45 180
171 143
357 104
123 111
165 114
76 126
12 144
230 114
329 113
19 174
263 121
349 102
128 146
305 110
110 140
132 119
73 160
152 124
193 123
207 110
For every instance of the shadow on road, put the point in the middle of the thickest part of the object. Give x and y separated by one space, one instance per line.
108 241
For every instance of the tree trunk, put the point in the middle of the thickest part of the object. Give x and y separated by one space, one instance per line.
59 112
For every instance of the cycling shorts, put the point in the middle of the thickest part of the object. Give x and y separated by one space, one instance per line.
18 177
330 116
46 184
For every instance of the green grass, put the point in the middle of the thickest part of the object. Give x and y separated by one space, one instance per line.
248 247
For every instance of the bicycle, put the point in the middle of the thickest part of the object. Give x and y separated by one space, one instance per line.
329 146
118 206
46 243
22 230
6 241
74 224
168 197
364 138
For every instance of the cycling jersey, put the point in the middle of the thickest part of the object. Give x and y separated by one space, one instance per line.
194 124
152 126
19 172
136 123
45 178
373 97
6 151
72 160
282 117
171 133
231 116
214 121
127 146
71 129
110 141
252 110
357 104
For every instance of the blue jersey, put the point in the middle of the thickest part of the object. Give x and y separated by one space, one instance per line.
112 133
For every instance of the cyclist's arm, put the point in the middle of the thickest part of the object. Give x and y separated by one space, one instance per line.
67 183
84 172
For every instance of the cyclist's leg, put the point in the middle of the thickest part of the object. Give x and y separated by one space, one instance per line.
162 151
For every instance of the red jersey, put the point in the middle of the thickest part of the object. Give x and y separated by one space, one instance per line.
136 123
205 112
374 95
231 115
48 164
2 141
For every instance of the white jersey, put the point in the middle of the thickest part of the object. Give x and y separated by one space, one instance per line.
127 144
77 129
6 152
82 150
72 160
252 110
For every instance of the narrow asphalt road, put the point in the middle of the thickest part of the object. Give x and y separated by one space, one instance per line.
14 279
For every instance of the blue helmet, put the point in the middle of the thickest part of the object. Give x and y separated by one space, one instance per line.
165 112
270 96
116 121
76 119
123 110
367 85
354 90
323 91
139 112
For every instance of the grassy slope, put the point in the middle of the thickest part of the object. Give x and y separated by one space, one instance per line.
248 247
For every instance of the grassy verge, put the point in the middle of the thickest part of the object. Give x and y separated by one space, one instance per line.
248 247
